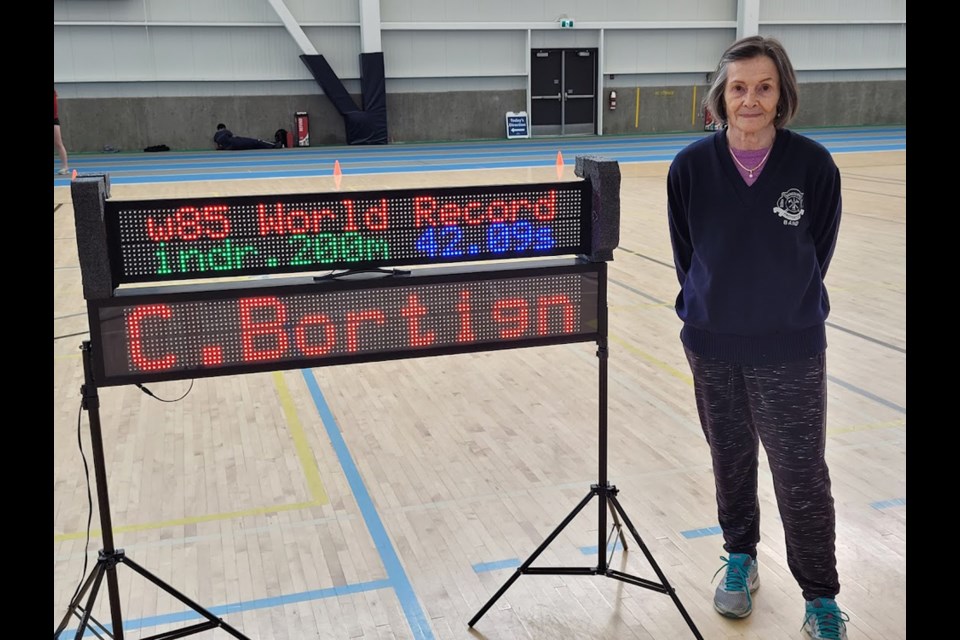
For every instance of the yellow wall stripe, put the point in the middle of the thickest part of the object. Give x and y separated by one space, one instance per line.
693 107
636 115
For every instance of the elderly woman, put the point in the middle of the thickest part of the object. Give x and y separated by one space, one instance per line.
754 211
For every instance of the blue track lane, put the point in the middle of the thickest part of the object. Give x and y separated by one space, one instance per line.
146 168
396 576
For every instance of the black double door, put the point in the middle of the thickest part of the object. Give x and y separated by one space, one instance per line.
563 91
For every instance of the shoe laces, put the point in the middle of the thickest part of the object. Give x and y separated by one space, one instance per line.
829 619
736 578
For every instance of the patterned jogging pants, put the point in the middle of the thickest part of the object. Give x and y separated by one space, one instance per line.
784 406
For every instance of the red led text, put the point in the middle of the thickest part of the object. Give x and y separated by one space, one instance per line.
269 328
190 223
296 219
428 212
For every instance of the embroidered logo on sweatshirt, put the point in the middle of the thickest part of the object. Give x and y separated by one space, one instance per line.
790 206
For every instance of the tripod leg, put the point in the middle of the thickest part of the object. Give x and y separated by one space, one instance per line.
75 603
184 599
523 568
496 596
618 527
85 620
656 567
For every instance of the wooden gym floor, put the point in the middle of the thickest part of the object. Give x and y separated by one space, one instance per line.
391 500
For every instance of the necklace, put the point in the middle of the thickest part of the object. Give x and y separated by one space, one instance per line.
747 169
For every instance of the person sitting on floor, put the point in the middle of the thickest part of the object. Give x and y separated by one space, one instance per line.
225 139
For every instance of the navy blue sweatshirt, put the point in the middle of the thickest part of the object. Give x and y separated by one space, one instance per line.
751 260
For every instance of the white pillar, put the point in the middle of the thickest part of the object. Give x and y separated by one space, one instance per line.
370 26
748 18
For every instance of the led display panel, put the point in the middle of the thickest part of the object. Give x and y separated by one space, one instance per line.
197 332
182 239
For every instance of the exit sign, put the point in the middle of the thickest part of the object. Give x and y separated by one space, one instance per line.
566 23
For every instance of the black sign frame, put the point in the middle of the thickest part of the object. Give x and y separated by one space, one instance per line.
116 215
446 275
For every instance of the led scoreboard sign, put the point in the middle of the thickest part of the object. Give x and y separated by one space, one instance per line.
177 239
251 327
170 331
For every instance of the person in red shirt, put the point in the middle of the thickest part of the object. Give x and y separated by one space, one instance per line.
58 139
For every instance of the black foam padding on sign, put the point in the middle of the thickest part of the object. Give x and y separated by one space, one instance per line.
89 193
102 176
604 177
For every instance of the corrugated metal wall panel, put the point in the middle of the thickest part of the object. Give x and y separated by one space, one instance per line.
656 51
565 38
414 54
211 11
852 77
836 46
174 89
102 54
832 10
443 11
336 11
205 11
340 46
549 10
653 10
443 85
130 10
228 54
197 53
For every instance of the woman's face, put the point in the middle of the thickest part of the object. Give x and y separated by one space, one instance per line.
751 95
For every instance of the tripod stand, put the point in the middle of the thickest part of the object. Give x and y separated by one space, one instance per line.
109 556
607 497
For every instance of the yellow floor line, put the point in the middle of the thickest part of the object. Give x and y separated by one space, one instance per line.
96 533
659 364
302 447
832 431
663 366
304 453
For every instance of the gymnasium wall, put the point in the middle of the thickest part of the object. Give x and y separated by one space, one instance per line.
136 73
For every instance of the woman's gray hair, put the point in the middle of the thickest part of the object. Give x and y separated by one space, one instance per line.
745 49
